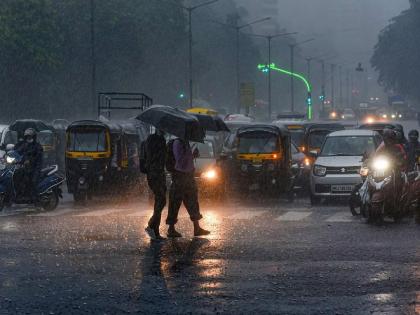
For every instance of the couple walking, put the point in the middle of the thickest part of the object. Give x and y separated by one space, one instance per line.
178 158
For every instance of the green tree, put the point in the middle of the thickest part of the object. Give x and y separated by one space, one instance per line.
397 54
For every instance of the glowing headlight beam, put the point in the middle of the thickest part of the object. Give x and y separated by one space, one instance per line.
381 164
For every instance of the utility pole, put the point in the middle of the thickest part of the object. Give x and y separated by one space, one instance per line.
340 79
93 55
333 86
238 29
348 88
323 86
190 44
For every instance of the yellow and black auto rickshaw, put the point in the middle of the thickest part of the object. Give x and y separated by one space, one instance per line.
101 157
263 158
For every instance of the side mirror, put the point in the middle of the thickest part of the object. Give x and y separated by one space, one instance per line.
10 147
313 153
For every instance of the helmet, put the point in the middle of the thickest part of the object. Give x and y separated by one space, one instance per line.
30 132
389 136
413 135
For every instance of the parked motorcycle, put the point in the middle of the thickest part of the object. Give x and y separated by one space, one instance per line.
11 183
388 190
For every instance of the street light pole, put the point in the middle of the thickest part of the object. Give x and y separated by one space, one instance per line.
340 79
269 39
93 55
190 43
292 69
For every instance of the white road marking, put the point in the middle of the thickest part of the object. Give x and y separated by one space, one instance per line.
341 217
98 213
141 213
294 216
9 227
246 215
54 213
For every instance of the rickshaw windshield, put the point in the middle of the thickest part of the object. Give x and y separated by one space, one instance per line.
316 138
87 140
258 142
297 136
46 138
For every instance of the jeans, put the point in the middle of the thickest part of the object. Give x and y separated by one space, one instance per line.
157 183
183 190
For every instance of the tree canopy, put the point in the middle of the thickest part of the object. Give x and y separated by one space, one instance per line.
397 54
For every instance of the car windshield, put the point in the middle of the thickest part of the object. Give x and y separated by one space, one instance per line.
206 150
93 140
261 142
348 146
316 138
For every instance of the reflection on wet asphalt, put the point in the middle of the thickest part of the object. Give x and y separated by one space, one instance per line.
263 256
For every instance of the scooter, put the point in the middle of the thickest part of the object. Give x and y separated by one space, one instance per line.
381 180
360 197
11 175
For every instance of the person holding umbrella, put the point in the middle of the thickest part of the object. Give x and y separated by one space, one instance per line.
155 151
180 164
179 161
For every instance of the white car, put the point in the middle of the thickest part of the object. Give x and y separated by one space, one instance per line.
348 114
336 169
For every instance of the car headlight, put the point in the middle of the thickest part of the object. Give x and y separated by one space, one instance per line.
385 116
399 116
10 159
210 174
381 164
393 116
320 170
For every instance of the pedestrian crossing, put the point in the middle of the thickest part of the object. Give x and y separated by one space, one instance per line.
283 215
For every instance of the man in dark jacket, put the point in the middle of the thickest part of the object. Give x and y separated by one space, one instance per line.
155 166
32 153
184 189
412 148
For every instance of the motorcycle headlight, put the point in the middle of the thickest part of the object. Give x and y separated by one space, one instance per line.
320 170
210 174
307 163
10 159
393 116
381 164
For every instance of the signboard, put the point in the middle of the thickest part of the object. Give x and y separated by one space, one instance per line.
247 94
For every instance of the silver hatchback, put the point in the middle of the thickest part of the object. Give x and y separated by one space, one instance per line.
337 167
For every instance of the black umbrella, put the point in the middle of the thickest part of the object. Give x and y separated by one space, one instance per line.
212 123
173 121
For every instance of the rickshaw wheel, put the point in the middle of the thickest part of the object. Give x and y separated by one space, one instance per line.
80 197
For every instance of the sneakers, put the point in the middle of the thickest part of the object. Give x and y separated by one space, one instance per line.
151 232
172 233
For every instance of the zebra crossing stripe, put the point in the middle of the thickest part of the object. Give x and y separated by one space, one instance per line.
54 213
341 217
246 215
97 213
294 216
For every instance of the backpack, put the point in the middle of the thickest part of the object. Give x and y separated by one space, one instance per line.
170 157
143 158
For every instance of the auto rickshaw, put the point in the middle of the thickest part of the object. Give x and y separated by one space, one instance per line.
101 157
263 158
202 110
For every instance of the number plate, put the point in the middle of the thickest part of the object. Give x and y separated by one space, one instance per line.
342 188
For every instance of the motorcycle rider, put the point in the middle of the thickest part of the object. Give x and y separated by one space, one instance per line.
413 149
392 148
31 152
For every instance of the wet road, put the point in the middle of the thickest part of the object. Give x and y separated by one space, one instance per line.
264 256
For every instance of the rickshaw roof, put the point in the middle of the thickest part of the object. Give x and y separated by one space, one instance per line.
277 129
323 125
126 127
